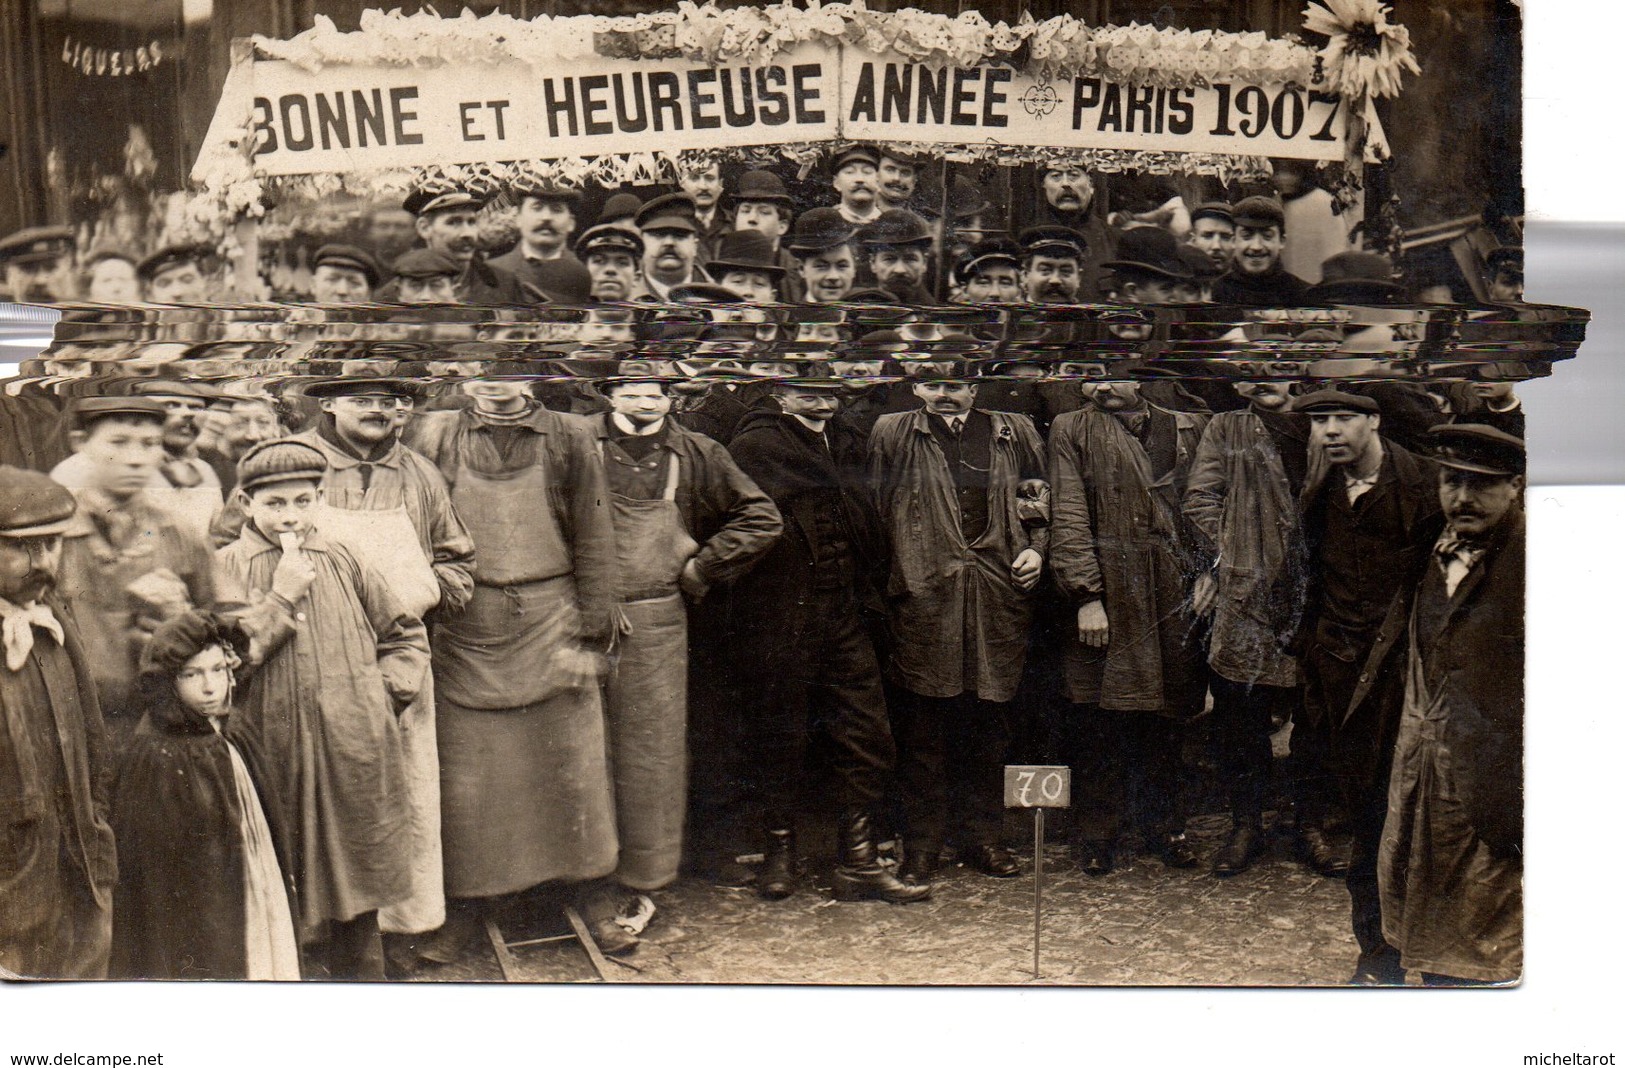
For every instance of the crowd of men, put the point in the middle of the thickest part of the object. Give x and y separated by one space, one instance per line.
490 638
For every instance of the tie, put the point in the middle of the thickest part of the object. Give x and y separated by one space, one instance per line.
17 623
956 426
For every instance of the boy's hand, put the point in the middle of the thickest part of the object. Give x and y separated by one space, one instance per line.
294 572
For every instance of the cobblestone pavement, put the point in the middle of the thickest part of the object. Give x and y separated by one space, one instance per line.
1277 924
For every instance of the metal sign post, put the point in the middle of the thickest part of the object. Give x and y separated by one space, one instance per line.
1037 786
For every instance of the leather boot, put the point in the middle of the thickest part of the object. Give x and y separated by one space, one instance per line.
777 878
858 871
1245 845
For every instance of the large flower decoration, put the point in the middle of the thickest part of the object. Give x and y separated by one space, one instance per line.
1366 54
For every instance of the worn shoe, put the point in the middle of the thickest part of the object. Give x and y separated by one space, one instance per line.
1381 968
1237 855
1321 855
993 860
860 875
920 866
456 935
1175 850
613 939
1095 858
777 878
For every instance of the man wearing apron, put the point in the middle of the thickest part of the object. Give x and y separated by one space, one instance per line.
525 789
669 488
391 507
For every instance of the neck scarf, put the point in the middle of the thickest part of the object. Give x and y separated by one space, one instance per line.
17 623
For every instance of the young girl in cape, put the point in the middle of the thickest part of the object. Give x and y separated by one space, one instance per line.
201 893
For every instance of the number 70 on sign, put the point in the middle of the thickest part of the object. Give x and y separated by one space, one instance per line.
1037 786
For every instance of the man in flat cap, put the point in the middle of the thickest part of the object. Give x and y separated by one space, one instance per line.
855 177
671 245
58 870
542 259
423 276
613 256
1371 514
1213 232
1450 866
1052 265
36 265
343 274
989 272
449 224
1503 275
174 275
1256 277
963 496
897 251
129 563
825 249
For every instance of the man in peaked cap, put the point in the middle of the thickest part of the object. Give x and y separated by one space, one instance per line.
854 175
1255 277
343 274
58 870
897 249
989 272
542 258
1371 513
824 247
449 223
1450 865
1213 232
686 519
174 275
1052 265
36 264
613 256
671 244
1503 275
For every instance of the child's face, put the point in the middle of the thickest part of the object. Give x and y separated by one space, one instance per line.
284 507
204 683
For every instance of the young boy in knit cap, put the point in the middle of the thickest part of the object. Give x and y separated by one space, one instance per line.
342 658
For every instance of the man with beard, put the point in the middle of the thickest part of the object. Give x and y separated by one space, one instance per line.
701 182
855 179
1052 265
1371 512
174 275
671 245
58 870
1213 233
1122 553
825 251
449 224
686 519
391 507
1256 277
612 255
526 796
897 251
1450 867
800 628
990 273
342 274
1242 500
897 177
542 259
128 563
37 265
963 497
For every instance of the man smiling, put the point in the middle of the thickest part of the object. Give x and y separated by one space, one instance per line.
1256 277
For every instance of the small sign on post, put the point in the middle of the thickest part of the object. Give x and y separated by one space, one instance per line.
1037 786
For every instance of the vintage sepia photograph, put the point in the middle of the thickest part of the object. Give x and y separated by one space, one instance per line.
765 494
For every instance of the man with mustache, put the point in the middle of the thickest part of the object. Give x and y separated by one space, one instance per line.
36 265
174 275
448 224
58 870
1123 554
1450 866
612 254
128 562
1242 500
1256 277
1371 512
1052 265
963 497
897 250
701 182
390 505
671 245
897 178
1069 200
542 259
855 179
